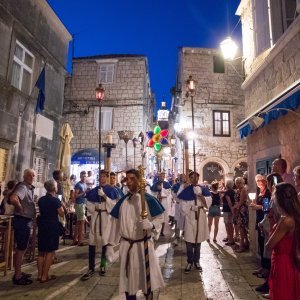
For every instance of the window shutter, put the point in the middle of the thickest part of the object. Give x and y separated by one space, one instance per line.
106 118
262 28
3 163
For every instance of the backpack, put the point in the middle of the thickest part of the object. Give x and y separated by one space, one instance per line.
12 192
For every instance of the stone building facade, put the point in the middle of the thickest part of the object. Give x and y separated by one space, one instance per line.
127 105
272 66
32 37
218 107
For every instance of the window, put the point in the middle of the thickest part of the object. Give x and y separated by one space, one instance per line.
264 167
106 118
39 165
261 26
106 73
221 120
3 163
283 13
219 65
22 68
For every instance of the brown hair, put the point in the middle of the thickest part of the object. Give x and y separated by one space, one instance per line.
287 200
134 172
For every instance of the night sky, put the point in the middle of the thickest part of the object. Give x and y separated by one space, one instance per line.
153 28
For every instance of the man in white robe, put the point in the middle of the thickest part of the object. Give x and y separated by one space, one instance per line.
195 220
129 228
100 201
161 189
179 219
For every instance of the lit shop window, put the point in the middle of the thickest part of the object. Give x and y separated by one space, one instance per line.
22 68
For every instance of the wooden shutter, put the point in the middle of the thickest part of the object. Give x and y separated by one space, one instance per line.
3 163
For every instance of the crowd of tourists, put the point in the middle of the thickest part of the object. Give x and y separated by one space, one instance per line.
113 213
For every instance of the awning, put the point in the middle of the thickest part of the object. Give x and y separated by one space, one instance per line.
87 156
290 99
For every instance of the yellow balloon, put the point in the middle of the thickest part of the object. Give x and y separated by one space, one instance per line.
156 138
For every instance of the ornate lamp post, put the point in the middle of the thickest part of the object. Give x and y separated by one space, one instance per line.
184 147
126 135
134 142
141 139
190 85
100 91
173 151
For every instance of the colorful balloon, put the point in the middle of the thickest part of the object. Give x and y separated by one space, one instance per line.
149 134
150 143
157 147
164 133
157 129
164 141
156 138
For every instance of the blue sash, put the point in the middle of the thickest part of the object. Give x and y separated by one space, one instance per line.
155 207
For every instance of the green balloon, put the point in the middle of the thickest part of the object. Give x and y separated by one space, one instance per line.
157 146
157 129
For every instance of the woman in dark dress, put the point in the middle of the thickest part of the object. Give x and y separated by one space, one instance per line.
50 208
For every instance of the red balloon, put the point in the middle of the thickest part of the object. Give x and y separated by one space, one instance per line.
164 133
150 143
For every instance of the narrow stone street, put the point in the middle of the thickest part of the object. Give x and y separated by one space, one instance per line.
226 275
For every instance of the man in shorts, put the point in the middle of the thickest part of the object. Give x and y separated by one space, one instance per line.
80 201
22 199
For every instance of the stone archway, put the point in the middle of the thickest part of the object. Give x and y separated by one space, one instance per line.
213 168
239 167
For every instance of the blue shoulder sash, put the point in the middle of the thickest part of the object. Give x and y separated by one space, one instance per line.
155 207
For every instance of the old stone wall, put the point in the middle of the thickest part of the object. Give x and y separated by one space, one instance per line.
129 96
34 24
214 91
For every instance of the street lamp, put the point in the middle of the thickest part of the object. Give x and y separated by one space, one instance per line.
184 147
134 142
141 139
126 135
173 152
100 91
228 48
190 86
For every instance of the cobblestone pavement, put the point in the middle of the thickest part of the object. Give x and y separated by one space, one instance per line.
226 275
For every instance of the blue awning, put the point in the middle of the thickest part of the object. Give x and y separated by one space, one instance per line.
87 156
291 102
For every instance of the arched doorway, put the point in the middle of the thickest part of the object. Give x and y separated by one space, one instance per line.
213 171
240 168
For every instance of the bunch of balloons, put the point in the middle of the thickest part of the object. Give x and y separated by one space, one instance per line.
157 138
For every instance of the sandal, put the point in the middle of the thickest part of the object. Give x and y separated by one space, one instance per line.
52 277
